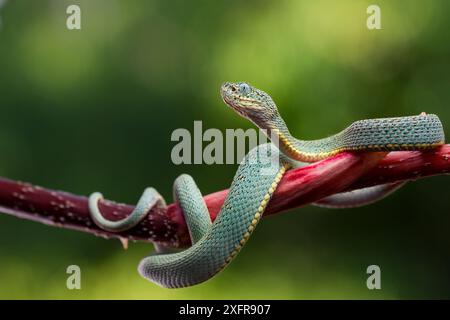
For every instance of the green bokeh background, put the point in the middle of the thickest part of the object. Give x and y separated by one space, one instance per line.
94 110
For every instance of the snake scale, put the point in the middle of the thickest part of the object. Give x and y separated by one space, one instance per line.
214 245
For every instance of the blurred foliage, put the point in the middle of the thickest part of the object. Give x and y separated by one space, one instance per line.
94 110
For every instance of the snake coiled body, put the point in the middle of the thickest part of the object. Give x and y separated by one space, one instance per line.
215 245
220 243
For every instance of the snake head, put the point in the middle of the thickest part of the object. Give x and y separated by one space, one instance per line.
249 102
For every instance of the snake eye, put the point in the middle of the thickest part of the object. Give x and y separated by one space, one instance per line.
244 88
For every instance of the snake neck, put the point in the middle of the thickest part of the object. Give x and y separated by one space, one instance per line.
300 150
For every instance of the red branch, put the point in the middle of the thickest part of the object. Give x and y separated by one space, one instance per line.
344 172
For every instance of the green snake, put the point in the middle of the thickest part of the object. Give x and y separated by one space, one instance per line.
215 245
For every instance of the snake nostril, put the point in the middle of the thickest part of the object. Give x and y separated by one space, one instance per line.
233 89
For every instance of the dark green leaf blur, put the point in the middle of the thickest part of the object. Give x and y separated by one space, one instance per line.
94 109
